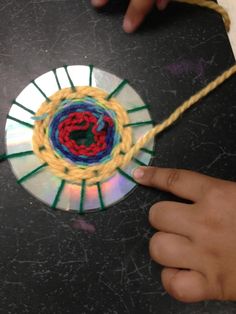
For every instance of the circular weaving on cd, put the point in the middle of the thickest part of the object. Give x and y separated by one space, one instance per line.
68 134
90 131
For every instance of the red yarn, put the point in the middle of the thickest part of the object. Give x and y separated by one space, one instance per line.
83 121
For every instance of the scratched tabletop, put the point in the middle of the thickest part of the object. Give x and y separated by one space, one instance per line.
58 262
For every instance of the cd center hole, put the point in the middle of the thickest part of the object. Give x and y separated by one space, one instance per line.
83 137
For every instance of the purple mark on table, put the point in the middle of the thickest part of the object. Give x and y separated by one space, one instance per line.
185 66
81 224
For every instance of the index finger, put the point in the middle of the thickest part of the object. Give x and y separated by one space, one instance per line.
137 11
183 183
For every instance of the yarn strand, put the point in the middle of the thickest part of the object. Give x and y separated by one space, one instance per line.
82 197
138 109
142 123
33 172
58 195
56 78
23 107
139 162
125 175
100 196
41 91
69 78
15 155
91 75
20 121
148 151
176 114
117 89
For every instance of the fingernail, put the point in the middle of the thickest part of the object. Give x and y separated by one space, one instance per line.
128 26
138 173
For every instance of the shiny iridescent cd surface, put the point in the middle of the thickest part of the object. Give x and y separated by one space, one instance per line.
44 185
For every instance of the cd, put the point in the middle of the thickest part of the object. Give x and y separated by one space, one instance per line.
44 184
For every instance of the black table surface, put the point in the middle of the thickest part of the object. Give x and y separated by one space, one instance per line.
58 262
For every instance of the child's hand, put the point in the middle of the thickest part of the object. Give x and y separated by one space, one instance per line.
136 12
196 242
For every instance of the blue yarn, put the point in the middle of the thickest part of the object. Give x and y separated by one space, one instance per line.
40 118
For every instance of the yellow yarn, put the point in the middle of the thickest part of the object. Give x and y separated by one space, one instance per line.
100 172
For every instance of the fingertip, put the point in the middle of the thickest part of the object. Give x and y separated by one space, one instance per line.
99 3
136 13
128 26
146 176
138 173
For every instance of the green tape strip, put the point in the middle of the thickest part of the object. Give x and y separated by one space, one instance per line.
58 195
82 197
148 151
100 196
91 75
33 172
137 124
139 162
137 109
20 121
69 78
16 155
23 107
124 174
117 89
56 78
40 90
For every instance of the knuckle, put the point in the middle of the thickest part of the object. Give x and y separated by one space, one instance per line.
152 176
216 216
214 193
214 219
172 178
